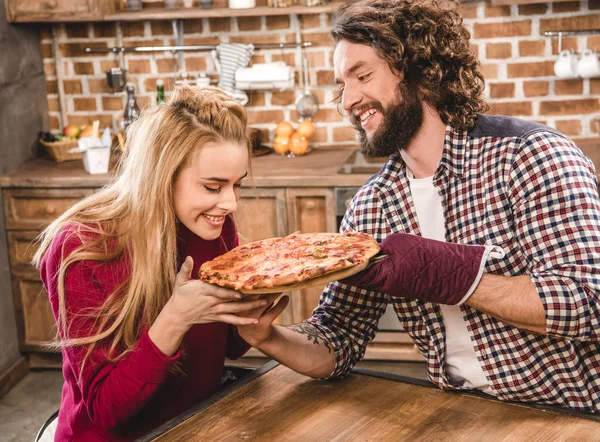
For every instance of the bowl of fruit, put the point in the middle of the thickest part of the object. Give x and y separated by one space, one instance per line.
293 142
59 144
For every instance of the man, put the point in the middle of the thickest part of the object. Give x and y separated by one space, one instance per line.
491 224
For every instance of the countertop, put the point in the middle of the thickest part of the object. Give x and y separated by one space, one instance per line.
276 403
319 168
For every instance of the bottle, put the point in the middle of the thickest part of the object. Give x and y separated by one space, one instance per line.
160 92
132 111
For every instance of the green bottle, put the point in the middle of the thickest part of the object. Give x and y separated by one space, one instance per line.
160 91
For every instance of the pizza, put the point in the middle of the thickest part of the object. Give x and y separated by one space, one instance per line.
283 262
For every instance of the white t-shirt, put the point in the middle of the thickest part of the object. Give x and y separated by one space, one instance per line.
462 365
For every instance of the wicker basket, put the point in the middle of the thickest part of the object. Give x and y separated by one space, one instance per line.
59 150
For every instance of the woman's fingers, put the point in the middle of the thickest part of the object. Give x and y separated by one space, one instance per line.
236 320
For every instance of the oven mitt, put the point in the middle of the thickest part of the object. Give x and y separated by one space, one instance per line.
426 269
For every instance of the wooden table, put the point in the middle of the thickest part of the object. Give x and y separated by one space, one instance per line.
277 404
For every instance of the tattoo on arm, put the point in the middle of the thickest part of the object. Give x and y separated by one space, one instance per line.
312 334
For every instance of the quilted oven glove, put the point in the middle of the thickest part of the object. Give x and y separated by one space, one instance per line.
426 269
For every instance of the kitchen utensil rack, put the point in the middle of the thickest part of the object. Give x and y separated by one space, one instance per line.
199 48
561 34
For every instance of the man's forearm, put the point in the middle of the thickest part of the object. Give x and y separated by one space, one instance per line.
301 348
512 299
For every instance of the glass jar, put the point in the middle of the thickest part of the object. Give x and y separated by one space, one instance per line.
282 3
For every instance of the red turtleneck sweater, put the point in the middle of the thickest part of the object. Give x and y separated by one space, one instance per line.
124 400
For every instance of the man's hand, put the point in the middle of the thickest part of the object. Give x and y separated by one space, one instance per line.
256 334
425 269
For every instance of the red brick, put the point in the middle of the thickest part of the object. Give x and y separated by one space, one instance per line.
54 123
569 43
535 88
310 21
593 41
540 69
45 31
195 64
264 116
162 27
289 58
255 38
595 86
502 90
533 9
77 30
283 98
105 65
143 42
73 86
193 26
201 40
580 22
516 108
53 105
502 29
593 5
570 107
49 69
83 68
112 103
98 86
328 115
139 67
565 6
346 133
468 10
496 11
165 65
569 127
498 50
315 59
104 29
46 49
318 38
81 120
78 49
132 29
568 87
219 24
325 78
249 23
278 22
256 99
84 104
489 71
532 48
51 87
320 135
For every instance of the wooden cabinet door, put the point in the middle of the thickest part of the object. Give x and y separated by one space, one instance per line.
35 322
34 209
309 210
51 10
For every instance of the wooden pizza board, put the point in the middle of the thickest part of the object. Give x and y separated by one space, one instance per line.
319 280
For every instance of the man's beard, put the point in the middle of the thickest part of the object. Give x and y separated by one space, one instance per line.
401 121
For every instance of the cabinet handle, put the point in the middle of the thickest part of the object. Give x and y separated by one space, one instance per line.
50 4
50 210
310 205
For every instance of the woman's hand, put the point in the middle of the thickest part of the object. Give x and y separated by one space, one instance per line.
196 302
257 333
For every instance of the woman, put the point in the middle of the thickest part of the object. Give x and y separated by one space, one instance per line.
142 342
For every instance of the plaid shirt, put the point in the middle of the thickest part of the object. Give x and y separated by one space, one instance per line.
528 189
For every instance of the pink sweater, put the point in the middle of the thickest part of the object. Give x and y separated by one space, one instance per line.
124 400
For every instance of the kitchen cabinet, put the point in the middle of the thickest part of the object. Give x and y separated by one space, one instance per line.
52 10
283 196
25 11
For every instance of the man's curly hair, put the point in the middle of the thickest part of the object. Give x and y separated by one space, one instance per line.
427 44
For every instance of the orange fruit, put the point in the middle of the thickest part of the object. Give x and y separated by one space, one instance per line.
284 128
295 136
281 145
306 129
299 146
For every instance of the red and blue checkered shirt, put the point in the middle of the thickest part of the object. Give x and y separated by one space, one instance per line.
518 185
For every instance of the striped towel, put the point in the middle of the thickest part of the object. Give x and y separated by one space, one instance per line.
229 57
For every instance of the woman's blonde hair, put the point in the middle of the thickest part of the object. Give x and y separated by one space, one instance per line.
133 217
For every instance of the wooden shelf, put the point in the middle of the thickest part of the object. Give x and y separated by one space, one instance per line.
191 13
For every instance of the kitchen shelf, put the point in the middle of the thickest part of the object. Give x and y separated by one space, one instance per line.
191 13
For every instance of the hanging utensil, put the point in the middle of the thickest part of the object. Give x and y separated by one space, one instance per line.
308 103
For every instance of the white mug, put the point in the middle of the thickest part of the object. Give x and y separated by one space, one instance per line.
589 64
566 65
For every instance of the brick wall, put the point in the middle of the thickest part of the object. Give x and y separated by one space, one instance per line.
517 61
